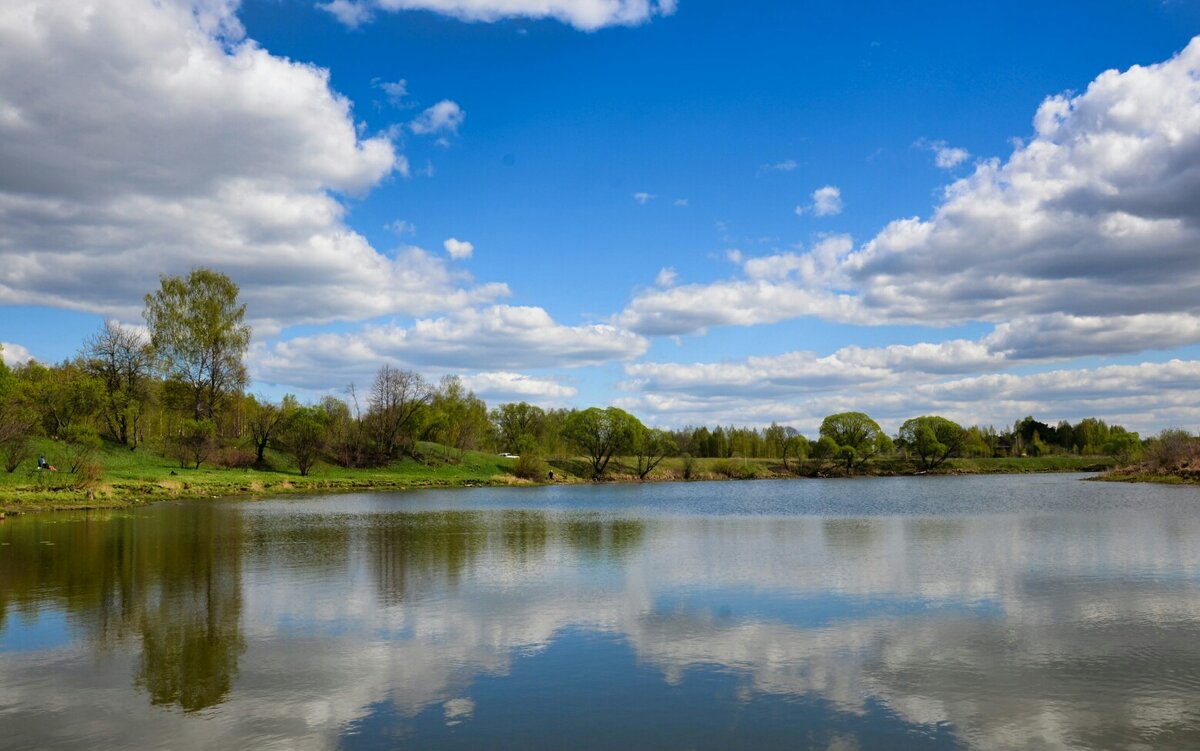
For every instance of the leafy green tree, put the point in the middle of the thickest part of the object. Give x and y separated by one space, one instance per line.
199 333
1124 446
932 438
857 437
304 434
516 422
600 433
458 418
61 394
18 423
263 419
194 443
122 359
650 446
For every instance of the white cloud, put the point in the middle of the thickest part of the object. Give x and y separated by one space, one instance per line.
144 143
786 165
503 386
458 249
444 117
396 91
666 277
1098 214
14 354
944 155
1082 243
681 203
500 337
777 288
351 14
827 201
402 227
586 15
895 383
643 198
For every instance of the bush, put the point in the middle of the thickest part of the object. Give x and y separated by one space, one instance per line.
1173 448
531 467
194 443
81 447
689 466
736 469
87 474
235 457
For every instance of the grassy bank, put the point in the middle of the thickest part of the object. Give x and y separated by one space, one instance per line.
142 476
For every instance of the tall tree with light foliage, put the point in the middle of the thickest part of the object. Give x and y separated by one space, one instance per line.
198 330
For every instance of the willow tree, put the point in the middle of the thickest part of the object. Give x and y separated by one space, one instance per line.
856 436
199 333
933 438
601 433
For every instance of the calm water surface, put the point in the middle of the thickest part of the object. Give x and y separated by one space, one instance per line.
924 613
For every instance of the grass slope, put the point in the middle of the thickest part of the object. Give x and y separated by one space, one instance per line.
130 477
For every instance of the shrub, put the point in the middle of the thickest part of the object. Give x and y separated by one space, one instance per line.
1173 448
87 474
195 442
736 469
689 466
531 467
81 447
235 457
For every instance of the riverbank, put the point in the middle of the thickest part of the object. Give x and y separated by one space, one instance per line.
134 478
1146 472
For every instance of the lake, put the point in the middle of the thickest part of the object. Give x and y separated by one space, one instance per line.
995 612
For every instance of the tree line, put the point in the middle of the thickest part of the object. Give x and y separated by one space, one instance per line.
180 385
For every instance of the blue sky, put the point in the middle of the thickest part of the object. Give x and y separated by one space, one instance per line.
695 211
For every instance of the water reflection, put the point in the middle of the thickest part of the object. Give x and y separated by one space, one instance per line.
351 622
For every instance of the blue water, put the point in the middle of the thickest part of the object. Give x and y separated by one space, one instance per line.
904 613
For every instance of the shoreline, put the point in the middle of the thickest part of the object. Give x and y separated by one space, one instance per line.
121 494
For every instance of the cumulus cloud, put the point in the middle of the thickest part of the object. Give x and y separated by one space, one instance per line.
500 337
666 277
892 384
14 354
776 288
586 15
1083 242
458 249
643 198
151 137
444 117
1097 214
505 386
826 201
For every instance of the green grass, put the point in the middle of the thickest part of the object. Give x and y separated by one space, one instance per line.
131 477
